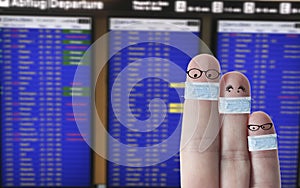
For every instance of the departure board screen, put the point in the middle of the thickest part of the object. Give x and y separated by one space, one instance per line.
142 43
41 145
268 52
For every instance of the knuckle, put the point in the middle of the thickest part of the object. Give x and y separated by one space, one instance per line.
235 155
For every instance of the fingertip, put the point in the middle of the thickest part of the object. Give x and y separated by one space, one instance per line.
203 62
234 84
235 73
261 118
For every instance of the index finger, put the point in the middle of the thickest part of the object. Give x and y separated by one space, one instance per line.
199 156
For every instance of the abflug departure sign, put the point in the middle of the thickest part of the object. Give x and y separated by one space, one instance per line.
53 4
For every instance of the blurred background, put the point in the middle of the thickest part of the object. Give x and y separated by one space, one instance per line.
46 143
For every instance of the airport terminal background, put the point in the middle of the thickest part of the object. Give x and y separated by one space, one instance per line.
42 45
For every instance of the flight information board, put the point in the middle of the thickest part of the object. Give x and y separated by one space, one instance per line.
268 52
135 38
41 145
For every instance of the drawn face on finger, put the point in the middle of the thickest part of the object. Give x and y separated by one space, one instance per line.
234 85
203 68
260 124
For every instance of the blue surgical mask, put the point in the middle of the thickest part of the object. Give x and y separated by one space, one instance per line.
201 91
262 142
234 105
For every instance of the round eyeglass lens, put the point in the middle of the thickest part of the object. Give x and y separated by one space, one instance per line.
266 126
253 127
194 73
212 74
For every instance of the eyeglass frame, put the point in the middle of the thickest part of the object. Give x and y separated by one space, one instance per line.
201 72
260 126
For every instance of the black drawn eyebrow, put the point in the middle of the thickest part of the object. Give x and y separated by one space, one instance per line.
229 87
242 88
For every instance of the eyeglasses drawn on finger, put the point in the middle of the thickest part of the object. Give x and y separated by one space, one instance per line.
211 74
265 126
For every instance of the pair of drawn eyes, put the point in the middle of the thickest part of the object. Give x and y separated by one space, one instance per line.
265 126
240 88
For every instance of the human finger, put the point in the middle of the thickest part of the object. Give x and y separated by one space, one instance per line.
234 107
200 162
262 141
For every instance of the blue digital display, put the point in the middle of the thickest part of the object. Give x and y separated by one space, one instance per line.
268 53
134 38
41 145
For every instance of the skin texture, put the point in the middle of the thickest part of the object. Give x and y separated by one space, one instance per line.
264 164
196 120
226 162
235 162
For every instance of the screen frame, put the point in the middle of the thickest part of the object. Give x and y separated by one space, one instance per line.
92 30
108 18
274 18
